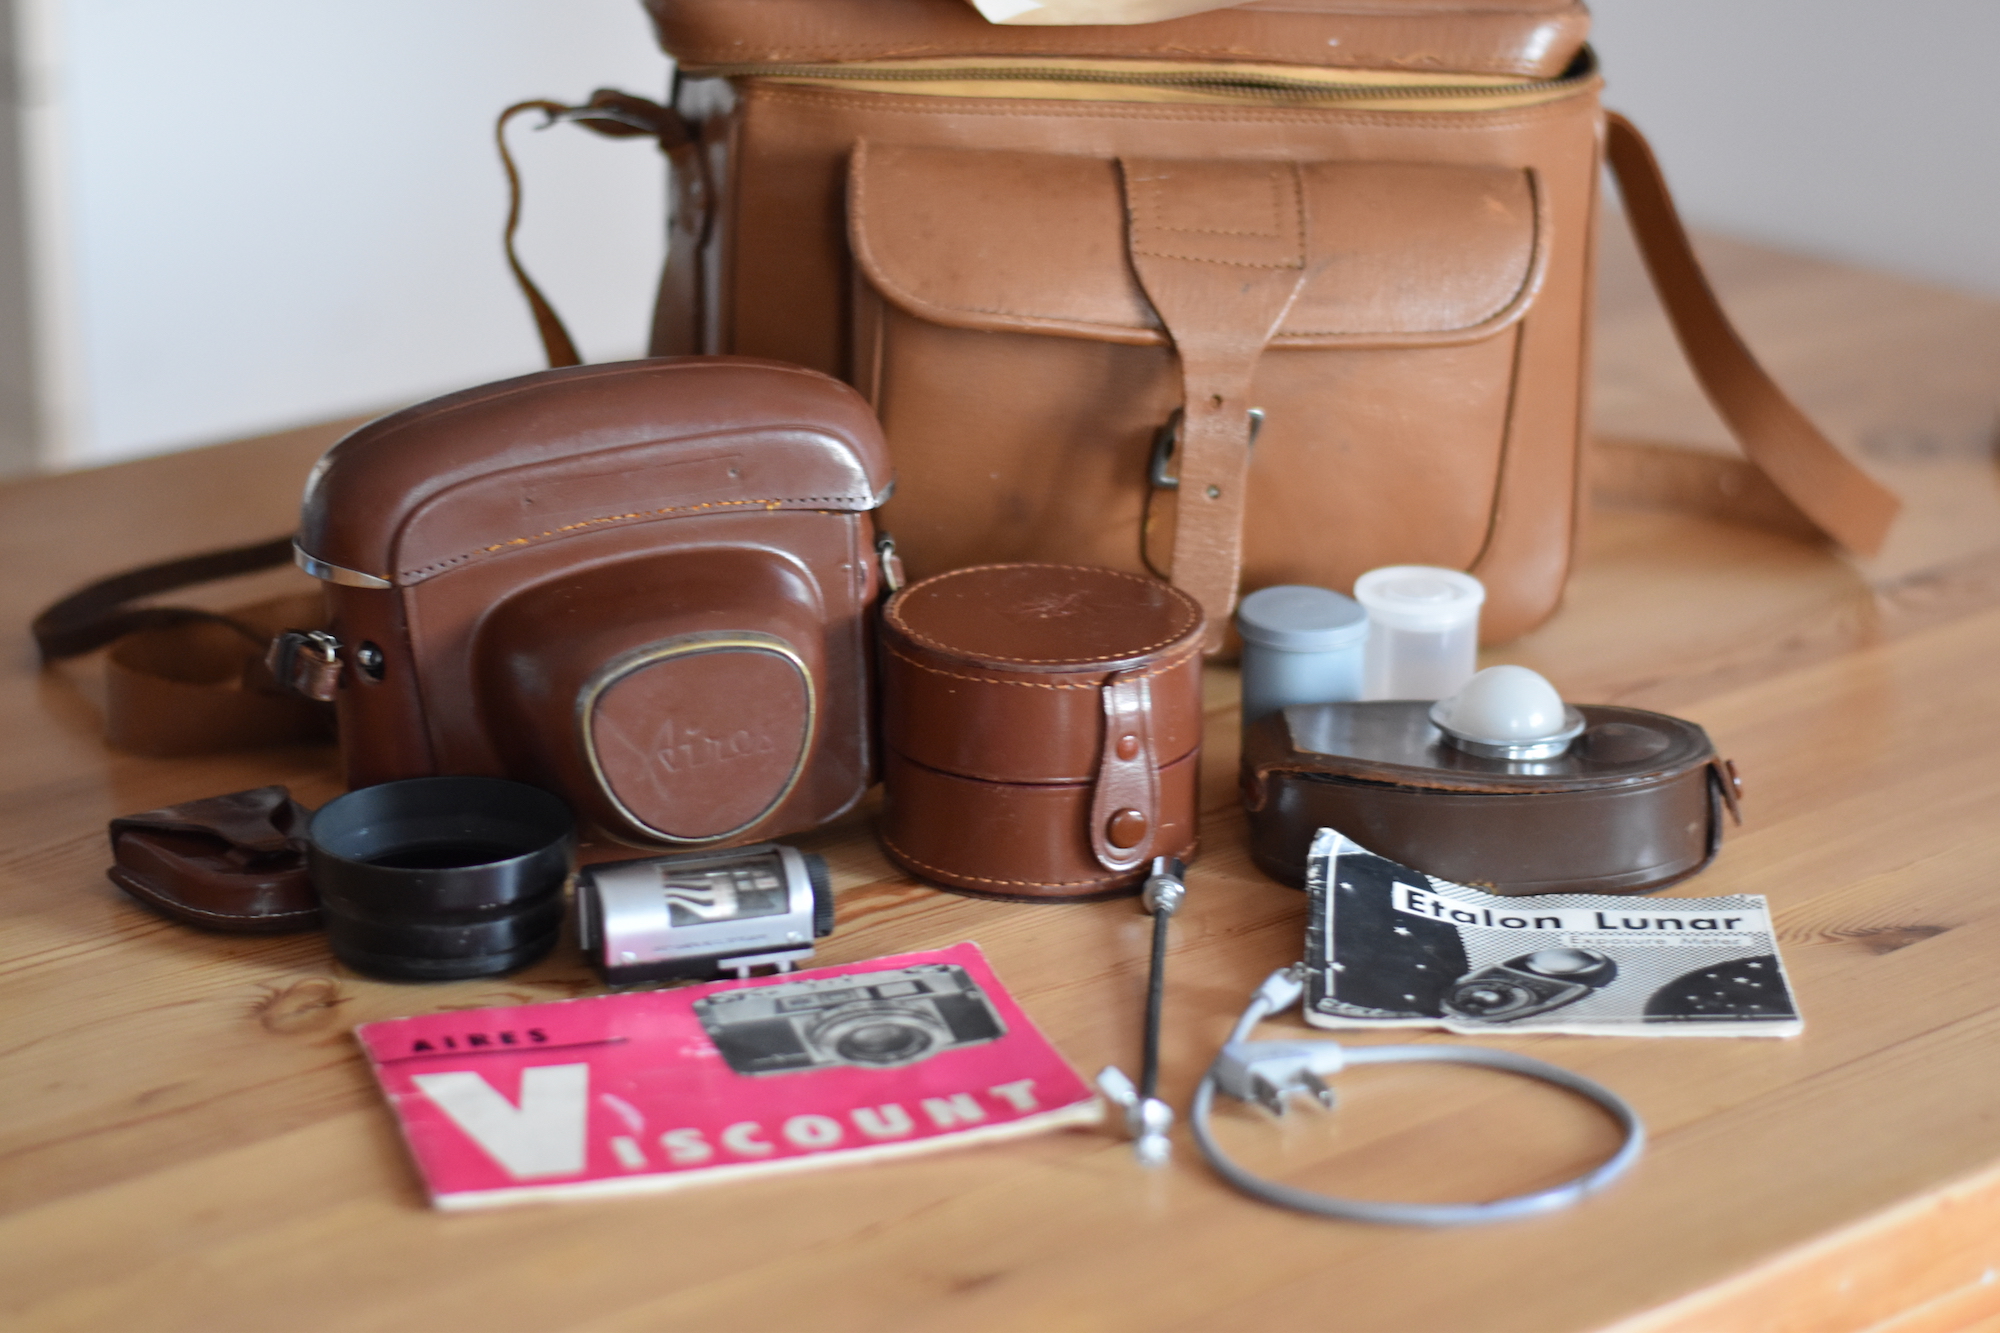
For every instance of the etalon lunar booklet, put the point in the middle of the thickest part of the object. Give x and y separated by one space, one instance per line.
1388 946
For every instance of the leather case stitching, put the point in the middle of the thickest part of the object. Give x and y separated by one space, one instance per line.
1161 669
639 514
1210 259
1277 207
948 875
894 616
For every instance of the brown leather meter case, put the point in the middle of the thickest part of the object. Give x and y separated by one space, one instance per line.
643 586
1635 803
1041 728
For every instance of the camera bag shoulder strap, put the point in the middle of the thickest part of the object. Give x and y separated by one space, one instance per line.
615 115
1842 501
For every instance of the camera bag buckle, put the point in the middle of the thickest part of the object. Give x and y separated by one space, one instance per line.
1169 434
306 662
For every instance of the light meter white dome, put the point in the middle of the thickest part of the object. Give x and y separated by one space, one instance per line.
1508 712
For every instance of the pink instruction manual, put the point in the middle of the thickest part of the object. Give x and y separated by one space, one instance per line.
652 1090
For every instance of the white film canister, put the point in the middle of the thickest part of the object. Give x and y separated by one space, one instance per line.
1423 631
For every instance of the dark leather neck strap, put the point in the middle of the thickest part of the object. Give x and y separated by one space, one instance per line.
93 616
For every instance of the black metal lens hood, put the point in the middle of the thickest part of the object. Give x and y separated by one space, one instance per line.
450 936
436 879
530 834
403 967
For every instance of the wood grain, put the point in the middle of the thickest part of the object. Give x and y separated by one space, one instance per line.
189 1138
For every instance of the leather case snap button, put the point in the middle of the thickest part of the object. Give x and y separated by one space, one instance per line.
1127 829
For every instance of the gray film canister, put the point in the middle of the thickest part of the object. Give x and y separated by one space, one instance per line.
1301 645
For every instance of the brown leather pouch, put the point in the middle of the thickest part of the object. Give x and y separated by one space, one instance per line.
1041 729
233 863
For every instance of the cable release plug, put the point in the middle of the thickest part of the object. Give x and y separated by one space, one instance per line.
1271 1072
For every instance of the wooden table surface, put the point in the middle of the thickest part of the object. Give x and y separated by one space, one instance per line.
189 1137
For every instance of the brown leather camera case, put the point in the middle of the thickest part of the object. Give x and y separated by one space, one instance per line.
644 586
1041 729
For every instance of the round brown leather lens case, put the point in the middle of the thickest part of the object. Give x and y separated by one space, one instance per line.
1041 729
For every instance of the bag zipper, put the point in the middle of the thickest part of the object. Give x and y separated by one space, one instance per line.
1165 80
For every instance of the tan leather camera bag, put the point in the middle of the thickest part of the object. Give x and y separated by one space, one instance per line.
1068 265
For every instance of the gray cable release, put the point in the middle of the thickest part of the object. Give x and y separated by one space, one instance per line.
1271 1072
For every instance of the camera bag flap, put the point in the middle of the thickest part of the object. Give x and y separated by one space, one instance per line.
1041 729
1532 38
644 586
1228 286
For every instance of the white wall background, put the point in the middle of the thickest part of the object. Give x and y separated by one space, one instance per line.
1864 130
252 214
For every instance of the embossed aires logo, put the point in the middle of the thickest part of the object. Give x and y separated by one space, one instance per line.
683 750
